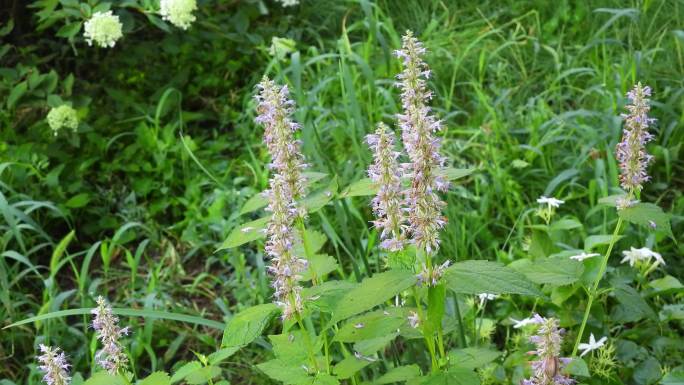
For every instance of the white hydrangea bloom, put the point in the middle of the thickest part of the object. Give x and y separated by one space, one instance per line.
104 28
178 12
62 117
288 3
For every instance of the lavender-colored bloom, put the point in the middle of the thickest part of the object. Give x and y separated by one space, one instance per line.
285 266
274 108
112 356
431 277
548 369
385 174
630 152
53 363
425 167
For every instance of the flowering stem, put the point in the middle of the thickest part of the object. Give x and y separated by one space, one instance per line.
307 341
597 280
429 341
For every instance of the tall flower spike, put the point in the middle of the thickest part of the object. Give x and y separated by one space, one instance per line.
285 266
112 356
274 109
548 369
418 127
53 363
631 152
385 174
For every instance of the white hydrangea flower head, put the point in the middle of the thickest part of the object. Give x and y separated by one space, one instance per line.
104 28
288 3
178 12
61 117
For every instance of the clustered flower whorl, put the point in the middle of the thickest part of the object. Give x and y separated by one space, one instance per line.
54 364
285 266
426 163
104 28
548 369
274 108
63 116
630 152
112 356
178 12
385 173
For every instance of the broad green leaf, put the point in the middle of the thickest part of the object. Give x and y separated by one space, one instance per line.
78 200
59 251
592 241
318 266
185 370
254 203
552 271
362 187
672 312
156 378
666 284
611 200
127 313
577 367
472 358
17 92
435 313
69 30
284 372
203 375
247 232
475 277
371 325
247 325
104 378
399 374
456 376
320 198
566 224
326 295
290 347
457 173
368 347
222 354
647 215
631 306
350 365
372 292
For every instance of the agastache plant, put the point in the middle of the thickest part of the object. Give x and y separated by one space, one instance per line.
387 203
285 266
112 356
54 365
274 109
547 370
630 152
418 126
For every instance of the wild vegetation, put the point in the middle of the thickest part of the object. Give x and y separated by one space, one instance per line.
341 192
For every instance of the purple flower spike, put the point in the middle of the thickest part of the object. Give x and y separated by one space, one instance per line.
112 356
53 363
548 370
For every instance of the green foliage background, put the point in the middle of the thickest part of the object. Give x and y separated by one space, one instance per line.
135 204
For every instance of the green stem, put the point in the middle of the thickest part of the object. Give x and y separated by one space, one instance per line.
597 280
461 329
429 341
307 341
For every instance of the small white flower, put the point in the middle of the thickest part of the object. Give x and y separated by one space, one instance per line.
104 28
582 256
624 203
523 322
178 12
592 345
487 297
643 254
413 319
550 202
288 3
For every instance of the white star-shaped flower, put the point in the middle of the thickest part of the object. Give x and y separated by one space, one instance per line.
582 256
634 255
523 322
592 345
487 297
551 202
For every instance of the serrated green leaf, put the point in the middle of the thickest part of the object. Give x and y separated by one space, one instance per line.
647 215
399 374
254 203
667 284
284 372
185 370
455 376
552 271
69 30
326 295
203 375
222 354
472 358
373 345
78 200
475 277
372 292
592 241
247 325
104 378
451 173
673 378
156 378
349 366
577 367
290 347
632 307
320 198
247 232
371 325
318 266
17 92
362 187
